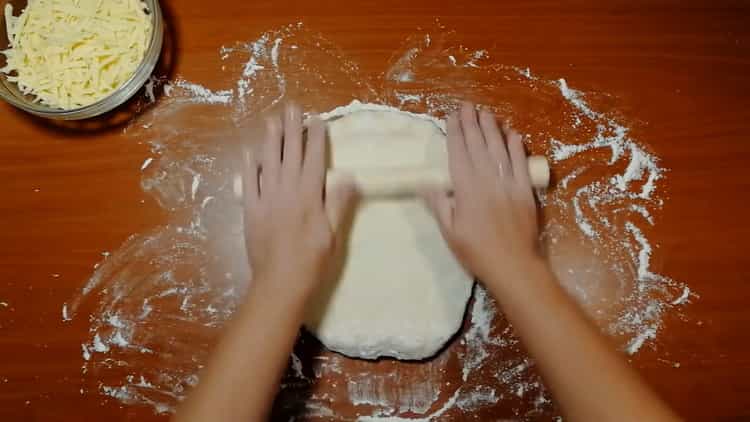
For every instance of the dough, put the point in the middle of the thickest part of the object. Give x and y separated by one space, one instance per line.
398 290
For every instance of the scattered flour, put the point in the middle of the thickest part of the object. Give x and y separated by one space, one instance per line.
167 292
146 163
202 94
65 315
149 89
684 297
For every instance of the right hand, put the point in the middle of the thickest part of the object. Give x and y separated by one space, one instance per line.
490 222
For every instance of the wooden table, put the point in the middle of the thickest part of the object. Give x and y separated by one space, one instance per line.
682 67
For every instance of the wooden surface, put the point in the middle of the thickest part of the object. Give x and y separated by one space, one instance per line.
681 67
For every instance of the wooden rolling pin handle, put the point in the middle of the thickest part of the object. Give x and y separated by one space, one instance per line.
539 171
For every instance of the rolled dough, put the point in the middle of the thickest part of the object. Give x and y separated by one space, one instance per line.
397 289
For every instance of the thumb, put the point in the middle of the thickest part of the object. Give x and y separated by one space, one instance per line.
440 204
339 202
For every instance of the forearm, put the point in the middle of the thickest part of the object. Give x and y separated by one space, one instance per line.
241 379
586 375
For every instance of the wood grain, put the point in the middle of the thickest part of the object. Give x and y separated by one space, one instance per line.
681 67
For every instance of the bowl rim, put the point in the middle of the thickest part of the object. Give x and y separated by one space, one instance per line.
115 98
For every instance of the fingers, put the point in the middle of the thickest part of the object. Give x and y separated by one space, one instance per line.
474 139
495 142
458 157
339 201
292 158
250 188
518 158
313 167
271 158
440 205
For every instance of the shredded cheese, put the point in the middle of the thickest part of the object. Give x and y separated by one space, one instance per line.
73 53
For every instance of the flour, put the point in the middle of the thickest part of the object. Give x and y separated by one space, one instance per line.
194 185
482 315
297 366
684 297
636 343
366 389
479 397
631 191
99 346
146 163
450 403
575 98
86 354
149 89
476 57
408 98
644 254
275 52
644 212
169 291
583 222
202 94
402 72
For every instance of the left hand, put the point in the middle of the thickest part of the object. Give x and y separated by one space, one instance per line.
288 233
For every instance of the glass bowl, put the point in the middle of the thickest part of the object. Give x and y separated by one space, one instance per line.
10 92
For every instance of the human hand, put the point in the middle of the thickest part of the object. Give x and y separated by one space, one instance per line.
490 222
288 233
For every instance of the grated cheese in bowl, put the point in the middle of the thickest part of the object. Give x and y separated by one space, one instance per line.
72 53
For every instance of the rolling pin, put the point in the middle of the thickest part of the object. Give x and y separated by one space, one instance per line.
406 181
388 182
